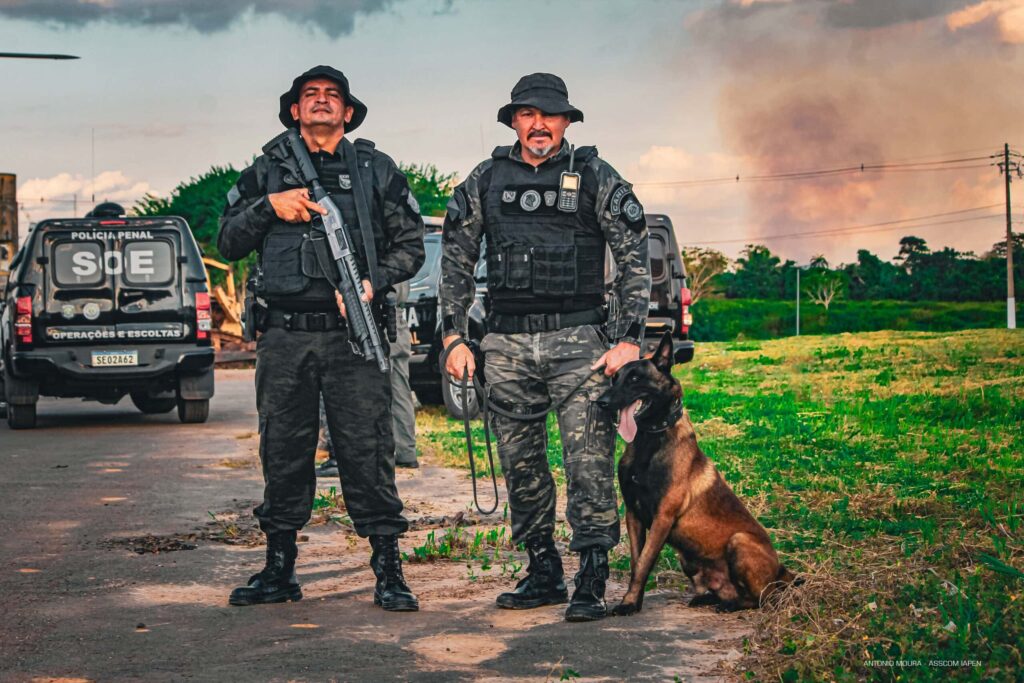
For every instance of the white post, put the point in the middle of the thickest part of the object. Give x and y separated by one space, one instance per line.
798 301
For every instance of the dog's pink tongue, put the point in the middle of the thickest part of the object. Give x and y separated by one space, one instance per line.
627 425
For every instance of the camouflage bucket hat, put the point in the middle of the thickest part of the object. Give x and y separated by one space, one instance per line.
292 96
547 92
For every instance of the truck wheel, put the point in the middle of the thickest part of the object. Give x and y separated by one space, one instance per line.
452 392
21 415
193 411
153 405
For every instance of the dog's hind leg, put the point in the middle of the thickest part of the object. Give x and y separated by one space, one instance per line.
655 541
753 568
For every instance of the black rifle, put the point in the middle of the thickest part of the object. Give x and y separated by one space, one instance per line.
290 150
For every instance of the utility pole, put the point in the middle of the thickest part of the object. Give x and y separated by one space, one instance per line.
1011 303
798 301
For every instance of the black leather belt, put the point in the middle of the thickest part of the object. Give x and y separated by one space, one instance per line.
542 322
305 321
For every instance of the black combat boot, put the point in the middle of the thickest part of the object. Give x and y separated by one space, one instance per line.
391 591
543 583
587 602
276 582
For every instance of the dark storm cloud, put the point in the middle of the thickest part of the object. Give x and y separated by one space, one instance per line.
843 14
334 17
879 13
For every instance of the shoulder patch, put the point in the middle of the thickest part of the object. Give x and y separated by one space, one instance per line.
233 195
458 207
413 204
615 202
632 210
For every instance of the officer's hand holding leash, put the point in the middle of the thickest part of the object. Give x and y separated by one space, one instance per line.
614 358
458 359
294 206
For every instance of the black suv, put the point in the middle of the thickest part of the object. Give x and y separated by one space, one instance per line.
670 297
669 310
104 306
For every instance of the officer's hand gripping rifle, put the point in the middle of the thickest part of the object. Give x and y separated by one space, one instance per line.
289 149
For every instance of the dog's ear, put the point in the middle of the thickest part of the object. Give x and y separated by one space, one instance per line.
663 357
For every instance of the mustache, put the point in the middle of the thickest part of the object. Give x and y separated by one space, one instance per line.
538 134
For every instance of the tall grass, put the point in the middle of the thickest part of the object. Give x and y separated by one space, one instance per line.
889 469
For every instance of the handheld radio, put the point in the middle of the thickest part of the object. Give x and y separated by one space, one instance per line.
569 186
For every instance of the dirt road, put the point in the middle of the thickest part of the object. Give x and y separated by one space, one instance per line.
123 535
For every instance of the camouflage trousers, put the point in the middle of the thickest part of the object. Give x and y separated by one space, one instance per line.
293 370
532 370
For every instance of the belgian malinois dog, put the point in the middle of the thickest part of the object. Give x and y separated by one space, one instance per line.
674 495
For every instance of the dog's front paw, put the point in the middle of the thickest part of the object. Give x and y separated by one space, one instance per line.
624 609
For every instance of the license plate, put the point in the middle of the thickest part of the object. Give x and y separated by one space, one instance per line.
107 359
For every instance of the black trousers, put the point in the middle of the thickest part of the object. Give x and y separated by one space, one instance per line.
292 370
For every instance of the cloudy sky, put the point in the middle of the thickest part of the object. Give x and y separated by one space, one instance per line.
681 97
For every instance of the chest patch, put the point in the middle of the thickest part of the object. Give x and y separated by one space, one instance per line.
529 200
345 181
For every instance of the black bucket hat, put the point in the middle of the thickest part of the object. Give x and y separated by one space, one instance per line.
292 96
547 92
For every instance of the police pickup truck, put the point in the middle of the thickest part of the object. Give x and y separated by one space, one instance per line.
669 310
104 306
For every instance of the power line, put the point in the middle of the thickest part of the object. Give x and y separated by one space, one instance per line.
868 228
908 166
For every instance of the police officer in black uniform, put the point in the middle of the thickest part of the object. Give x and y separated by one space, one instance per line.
304 348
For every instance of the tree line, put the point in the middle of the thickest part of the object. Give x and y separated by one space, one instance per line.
915 273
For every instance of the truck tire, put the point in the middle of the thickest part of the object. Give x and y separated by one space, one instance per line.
452 393
193 411
153 405
21 415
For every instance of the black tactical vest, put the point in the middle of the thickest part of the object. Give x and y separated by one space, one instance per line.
292 276
540 259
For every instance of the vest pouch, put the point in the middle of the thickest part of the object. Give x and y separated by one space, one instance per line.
282 263
554 270
518 260
310 265
509 267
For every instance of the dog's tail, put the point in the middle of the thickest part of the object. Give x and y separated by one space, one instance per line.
783 580
788 578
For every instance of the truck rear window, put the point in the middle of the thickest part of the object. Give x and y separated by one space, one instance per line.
88 264
78 264
657 252
148 263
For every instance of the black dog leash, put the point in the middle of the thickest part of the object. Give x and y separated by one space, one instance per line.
483 395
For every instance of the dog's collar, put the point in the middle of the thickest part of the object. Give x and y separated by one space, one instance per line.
665 422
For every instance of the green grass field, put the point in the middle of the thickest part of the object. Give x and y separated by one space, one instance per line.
889 469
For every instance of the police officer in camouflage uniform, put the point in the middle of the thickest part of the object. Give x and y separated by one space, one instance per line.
548 328
304 350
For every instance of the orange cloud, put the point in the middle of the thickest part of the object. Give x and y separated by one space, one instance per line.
1007 16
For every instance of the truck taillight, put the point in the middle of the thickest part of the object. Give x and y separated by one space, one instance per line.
685 301
202 315
23 320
